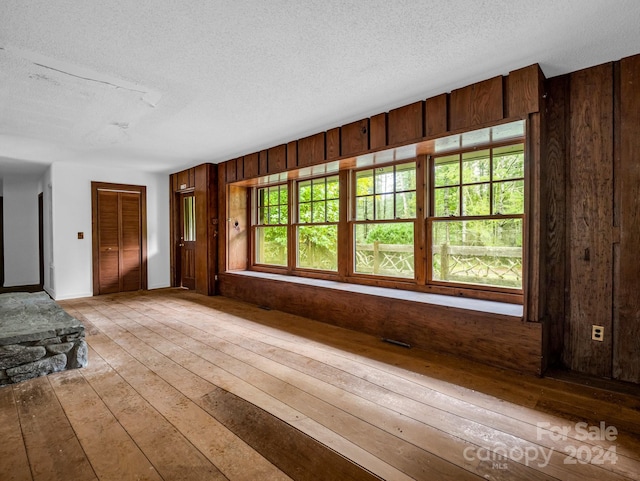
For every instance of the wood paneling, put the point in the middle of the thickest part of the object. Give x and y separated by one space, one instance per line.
239 168
206 238
524 92
263 163
435 115
355 137
311 150
476 104
626 356
378 131
277 159
406 123
292 155
186 179
590 218
231 170
250 166
534 250
237 228
333 144
512 343
554 180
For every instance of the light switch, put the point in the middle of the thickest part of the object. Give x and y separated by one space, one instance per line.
80 235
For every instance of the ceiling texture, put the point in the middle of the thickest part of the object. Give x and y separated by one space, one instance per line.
160 85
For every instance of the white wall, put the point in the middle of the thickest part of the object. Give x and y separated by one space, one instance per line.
72 258
21 251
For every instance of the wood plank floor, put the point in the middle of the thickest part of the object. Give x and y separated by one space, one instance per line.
183 386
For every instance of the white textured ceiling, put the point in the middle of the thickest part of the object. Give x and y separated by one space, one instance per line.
163 84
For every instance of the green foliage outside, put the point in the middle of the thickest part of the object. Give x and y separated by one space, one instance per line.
485 251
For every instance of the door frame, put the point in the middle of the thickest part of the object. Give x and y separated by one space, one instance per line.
140 189
180 246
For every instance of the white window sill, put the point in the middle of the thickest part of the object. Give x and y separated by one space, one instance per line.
490 307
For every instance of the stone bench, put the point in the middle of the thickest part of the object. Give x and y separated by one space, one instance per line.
37 337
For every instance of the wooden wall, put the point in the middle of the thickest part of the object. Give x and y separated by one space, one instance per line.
203 181
493 339
593 219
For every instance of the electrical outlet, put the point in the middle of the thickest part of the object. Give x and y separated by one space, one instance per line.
597 333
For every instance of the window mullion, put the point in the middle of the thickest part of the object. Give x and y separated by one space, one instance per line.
292 219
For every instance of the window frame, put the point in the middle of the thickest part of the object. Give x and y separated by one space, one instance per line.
432 218
296 223
421 153
256 225
354 221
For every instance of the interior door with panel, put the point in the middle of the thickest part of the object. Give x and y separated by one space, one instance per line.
187 242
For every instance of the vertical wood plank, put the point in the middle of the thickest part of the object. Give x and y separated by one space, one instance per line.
333 144
263 163
202 229
378 131
230 167
237 235
476 104
183 179
250 165
524 92
213 221
554 179
277 159
311 150
355 137
406 123
173 236
239 168
223 224
534 209
292 155
435 113
590 215
627 348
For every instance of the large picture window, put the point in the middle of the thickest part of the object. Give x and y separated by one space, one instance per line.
271 238
477 221
384 226
317 226
442 216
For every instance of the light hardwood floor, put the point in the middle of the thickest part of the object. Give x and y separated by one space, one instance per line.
183 386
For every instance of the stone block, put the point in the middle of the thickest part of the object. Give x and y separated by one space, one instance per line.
38 368
14 355
61 348
79 356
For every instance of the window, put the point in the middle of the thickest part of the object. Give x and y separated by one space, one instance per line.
477 217
271 226
443 216
384 226
317 227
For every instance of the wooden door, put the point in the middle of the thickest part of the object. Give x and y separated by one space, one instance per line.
187 243
119 238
